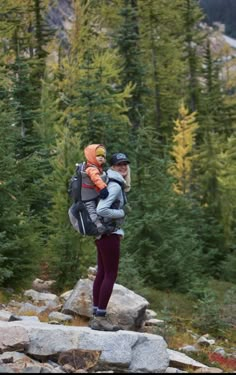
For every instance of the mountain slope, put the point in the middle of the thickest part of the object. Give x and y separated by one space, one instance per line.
223 11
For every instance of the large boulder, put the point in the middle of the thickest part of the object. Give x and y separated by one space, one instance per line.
126 308
120 351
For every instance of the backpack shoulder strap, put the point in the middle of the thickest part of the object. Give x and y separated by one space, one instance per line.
117 181
79 168
122 187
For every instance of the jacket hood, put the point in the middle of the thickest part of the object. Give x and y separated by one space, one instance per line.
115 175
90 153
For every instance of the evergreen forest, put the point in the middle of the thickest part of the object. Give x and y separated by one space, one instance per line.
139 77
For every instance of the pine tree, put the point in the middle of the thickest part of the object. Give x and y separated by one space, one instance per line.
7 189
24 70
215 125
213 104
20 242
128 41
95 106
192 41
227 186
162 46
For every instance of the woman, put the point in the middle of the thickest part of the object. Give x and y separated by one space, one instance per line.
108 246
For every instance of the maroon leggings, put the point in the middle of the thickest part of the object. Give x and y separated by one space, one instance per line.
108 255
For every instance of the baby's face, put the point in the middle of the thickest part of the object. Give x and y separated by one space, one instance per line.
100 159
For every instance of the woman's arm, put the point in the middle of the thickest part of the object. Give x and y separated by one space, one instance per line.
104 206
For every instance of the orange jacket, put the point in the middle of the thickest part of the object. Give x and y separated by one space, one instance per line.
93 169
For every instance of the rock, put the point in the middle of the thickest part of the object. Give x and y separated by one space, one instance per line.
5 369
154 322
69 368
30 318
29 308
80 359
64 296
209 370
14 318
172 370
13 338
121 351
43 297
92 271
204 341
59 317
189 349
150 314
12 357
14 304
220 351
182 361
7 316
125 308
19 362
80 300
43 286
32 370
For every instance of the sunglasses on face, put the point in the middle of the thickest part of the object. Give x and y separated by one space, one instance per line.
100 156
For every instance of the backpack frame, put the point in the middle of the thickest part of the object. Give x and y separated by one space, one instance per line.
78 213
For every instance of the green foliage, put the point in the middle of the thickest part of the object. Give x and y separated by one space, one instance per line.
21 168
227 187
208 313
20 241
6 273
162 226
162 49
130 272
129 48
99 107
192 40
228 267
229 306
211 234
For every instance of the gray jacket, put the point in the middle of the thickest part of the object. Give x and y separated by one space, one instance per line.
116 198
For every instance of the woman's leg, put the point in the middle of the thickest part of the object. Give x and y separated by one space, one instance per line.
108 248
109 255
99 276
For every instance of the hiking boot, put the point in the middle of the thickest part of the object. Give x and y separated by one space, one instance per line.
101 323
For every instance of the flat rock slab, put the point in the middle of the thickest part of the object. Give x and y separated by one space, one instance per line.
132 351
182 361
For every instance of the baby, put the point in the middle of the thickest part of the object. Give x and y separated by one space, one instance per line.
95 155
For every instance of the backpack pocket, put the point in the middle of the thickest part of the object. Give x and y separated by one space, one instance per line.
81 221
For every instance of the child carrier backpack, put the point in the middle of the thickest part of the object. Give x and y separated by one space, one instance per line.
81 190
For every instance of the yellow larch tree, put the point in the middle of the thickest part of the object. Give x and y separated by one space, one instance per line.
182 151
